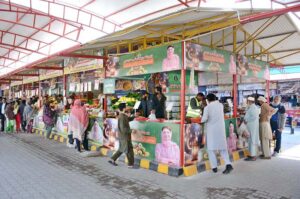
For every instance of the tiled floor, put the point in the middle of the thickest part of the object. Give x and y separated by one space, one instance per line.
33 167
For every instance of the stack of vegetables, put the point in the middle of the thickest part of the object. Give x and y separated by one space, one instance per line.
129 99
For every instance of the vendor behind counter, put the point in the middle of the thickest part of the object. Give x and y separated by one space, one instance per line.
196 106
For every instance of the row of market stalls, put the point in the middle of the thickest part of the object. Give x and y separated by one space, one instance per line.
185 53
182 73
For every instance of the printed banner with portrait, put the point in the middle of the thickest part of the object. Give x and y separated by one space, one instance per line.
152 60
252 67
203 58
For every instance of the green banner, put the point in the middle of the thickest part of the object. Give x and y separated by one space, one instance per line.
174 82
230 124
152 60
156 141
151 140
203 58
194 142
252 67
109 86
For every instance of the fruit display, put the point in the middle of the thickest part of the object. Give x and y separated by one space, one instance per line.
140 150
129 99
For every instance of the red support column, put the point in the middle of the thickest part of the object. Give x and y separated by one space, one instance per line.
104 103
182 105
235 92
268 90
40 94
65 86
23 90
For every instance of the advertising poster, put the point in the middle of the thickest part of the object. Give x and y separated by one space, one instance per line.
174 82
76 65
96 132
109 86
203 58
110 133
194 142
151 140
153 60
230 125
291 87
48 74
252 67
156 141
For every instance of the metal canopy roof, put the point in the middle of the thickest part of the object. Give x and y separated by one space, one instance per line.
35 31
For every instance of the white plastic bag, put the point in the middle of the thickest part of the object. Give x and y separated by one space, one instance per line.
96 133
59 126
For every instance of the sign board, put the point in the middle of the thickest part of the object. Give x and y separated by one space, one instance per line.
109 86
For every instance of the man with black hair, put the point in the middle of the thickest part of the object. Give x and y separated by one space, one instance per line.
213 116
2 113
146 104
172 61
124 138
196 106
159 103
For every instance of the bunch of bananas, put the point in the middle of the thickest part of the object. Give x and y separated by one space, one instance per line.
130 101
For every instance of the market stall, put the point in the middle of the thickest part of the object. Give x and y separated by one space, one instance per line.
129 77
80 79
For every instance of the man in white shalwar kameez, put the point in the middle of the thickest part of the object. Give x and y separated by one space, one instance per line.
213 116
252 122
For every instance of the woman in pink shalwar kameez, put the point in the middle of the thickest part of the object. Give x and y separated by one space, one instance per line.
167 152
78 123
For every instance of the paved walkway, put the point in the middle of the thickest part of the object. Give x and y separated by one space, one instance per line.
33 167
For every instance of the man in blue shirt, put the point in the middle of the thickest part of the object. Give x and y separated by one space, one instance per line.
278 122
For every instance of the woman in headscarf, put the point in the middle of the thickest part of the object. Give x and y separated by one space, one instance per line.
78 123
27 113
49 115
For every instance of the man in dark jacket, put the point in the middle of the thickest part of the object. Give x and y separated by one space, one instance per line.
2 112
124 138
159 103
21 111
278 122
146 104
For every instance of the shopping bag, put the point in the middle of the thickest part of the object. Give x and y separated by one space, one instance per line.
96 133
10 126
59 126
30 126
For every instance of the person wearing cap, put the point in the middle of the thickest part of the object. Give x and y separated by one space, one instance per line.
196 106
278 122
146 104
124 138
252 122
265 132
213 116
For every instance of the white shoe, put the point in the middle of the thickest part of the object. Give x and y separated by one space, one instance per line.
70 145
275 154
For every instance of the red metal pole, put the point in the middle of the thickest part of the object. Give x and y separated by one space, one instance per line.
104 106
65 85
182 105
40 94
264 15
268 90
235 91
23 90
